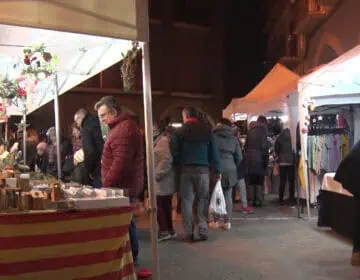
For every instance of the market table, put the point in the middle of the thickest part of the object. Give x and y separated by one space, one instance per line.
90 244
337 208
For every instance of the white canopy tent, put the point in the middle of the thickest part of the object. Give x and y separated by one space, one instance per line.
24 23
337 83
81 57
268 97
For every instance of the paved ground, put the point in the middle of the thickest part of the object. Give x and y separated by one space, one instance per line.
262 247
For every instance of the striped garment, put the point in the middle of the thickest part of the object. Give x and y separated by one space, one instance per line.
85 245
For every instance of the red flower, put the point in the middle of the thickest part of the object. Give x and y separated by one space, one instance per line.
21 92
27 60
2 107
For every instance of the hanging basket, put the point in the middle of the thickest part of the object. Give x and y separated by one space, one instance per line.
128 68
129 80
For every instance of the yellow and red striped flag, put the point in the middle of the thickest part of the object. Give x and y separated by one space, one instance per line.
85 245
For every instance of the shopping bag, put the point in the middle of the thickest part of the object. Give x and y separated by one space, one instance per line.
217 202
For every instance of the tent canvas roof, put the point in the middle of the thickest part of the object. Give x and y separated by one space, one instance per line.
339 77
81 56
269 95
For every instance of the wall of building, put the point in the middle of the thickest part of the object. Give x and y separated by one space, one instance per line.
336 36
186 65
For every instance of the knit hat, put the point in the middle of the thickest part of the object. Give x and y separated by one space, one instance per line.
41 146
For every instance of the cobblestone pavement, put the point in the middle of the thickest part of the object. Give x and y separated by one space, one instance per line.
258 247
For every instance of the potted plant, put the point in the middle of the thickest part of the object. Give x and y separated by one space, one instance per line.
128 67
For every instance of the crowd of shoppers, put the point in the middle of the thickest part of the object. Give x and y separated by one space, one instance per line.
188 161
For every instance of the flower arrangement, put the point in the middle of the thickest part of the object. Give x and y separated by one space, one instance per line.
128 67
39 63
8 88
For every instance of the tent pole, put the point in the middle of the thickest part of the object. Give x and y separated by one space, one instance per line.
150 156
308 192
57 126
24 132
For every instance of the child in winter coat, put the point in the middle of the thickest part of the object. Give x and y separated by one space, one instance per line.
165 183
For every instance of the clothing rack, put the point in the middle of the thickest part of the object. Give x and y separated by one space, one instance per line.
325 131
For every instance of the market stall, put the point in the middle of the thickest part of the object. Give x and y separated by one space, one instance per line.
269 97
329 100
275 97
90 36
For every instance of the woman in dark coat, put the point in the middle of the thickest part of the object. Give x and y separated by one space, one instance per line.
285 155
230 158
257 158
348 175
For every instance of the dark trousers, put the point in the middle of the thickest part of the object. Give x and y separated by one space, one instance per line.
287 174
356 240
164 213
134 241
97 182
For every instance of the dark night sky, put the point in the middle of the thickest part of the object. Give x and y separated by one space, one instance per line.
244 46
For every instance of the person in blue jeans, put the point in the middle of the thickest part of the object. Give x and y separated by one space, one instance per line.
134 240
122 162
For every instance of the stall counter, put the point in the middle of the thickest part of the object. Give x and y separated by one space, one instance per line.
87 244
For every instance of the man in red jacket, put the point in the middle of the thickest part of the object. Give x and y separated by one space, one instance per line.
123 157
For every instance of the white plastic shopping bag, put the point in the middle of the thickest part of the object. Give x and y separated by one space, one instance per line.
217 202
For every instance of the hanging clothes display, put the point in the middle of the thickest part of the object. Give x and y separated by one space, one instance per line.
325 152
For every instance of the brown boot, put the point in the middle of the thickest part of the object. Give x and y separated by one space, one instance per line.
355 259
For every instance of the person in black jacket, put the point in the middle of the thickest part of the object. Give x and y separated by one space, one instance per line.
92 143
348 175
40 162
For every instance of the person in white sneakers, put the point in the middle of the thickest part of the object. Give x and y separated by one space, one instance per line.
230 158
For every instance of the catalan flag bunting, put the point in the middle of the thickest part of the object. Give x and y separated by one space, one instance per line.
85 245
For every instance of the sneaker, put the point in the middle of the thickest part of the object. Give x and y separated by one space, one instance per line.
227 226
355 259
163 236
247 210
173 234
213 225
144 273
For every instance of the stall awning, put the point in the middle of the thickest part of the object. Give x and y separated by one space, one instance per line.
81 55
338 82
80 58
125 19
270 95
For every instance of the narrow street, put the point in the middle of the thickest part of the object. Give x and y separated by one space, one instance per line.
259 246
